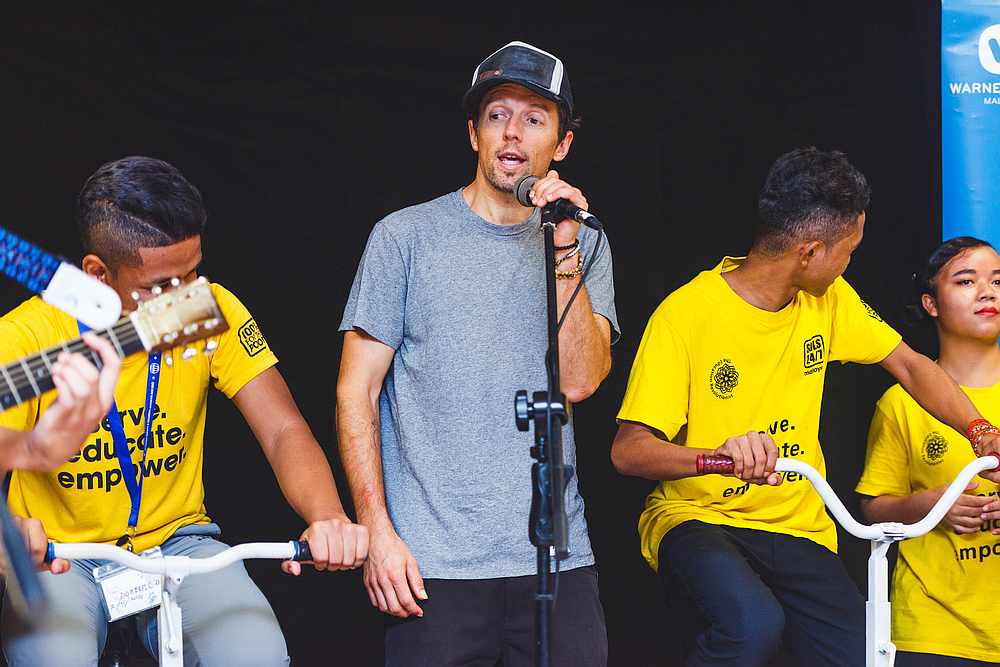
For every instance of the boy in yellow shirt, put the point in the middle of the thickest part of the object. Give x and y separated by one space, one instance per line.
945 583
141 223
733 363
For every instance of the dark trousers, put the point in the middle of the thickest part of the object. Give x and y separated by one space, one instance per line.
489 622
747 590
904 659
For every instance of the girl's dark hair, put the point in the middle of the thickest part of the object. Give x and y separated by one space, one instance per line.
923 280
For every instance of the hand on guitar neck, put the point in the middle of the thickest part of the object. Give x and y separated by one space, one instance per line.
180 316
84 396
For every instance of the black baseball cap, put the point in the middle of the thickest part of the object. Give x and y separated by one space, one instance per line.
524 65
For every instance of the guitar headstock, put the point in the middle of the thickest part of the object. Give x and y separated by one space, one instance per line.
179 316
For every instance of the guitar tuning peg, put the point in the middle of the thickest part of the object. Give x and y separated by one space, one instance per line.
190 329
211 346
189 353
169 359
175 282
135 296
157 291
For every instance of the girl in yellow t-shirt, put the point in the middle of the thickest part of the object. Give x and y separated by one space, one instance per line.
946 583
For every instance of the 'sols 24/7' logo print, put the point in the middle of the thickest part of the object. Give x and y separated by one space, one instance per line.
724 378
251 338
933 448
813 352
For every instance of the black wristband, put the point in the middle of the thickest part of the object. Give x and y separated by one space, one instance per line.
572 245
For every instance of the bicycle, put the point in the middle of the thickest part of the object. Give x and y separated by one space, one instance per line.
879 649
174 570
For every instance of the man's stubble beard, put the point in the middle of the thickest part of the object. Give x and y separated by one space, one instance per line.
495 179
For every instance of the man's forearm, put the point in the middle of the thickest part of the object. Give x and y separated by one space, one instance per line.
902 509
361 455
304 474
938 394
13 450
639 453
584 351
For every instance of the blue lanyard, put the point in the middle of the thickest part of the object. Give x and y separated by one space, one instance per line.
133 479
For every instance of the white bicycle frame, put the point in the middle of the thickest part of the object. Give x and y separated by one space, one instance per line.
879 649
174 569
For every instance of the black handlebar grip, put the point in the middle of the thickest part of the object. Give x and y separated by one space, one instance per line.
302 552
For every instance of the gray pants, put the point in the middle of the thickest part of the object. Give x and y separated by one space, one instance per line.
226 619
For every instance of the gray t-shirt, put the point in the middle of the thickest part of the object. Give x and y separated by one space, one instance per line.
462 301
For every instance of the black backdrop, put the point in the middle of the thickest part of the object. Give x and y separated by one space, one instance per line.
303 127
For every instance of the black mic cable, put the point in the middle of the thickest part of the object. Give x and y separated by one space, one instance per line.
564 209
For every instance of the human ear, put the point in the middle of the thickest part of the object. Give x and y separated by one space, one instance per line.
95 267
473 137
562 148
929 304
809 251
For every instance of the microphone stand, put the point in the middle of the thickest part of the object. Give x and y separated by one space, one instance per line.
547 525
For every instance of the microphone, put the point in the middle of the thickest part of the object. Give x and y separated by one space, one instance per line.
560 208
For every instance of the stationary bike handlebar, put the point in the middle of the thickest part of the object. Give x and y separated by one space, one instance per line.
293 550
879 531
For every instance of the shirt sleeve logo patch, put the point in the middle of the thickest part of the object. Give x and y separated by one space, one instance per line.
813 352
871 312
251 338
933 449
723 378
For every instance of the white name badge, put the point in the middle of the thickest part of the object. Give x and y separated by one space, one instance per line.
127 591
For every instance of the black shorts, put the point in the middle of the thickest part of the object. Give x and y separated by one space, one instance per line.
485 622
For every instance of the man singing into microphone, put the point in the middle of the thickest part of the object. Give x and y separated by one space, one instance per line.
446 320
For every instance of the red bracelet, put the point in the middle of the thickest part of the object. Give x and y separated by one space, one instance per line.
977 430
975 425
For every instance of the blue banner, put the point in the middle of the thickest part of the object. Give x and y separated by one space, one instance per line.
970 118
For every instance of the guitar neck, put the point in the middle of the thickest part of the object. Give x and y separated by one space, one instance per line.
31 377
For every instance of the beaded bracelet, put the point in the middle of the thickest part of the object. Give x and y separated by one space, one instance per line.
977 430
575 251
575 272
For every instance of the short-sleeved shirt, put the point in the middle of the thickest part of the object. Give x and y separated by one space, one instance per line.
711 361
85 499
945 585
462 303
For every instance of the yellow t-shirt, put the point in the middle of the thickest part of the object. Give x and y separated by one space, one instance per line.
85 499
712 361
943 585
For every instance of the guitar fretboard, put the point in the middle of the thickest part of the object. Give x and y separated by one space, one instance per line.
31 377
